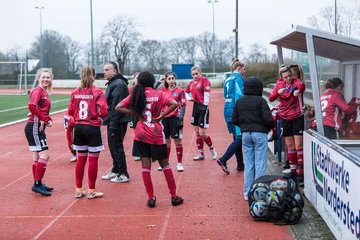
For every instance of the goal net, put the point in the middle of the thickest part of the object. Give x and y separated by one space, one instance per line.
13 76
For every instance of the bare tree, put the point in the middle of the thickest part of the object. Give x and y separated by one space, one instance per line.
54 52
226 53
73 51
257 54
122 36
189 46
153 55
205 46
344 24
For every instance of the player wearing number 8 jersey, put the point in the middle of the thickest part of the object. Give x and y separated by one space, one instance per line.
39 106
88 107
149 141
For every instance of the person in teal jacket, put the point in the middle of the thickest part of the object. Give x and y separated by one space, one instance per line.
233 90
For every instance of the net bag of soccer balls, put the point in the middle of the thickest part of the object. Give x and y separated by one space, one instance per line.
276 198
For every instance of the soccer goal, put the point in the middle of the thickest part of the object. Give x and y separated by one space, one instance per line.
13 75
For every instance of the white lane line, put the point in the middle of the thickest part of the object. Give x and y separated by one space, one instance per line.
55 219
164 227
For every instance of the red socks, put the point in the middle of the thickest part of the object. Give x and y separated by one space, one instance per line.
93 169
40 169
199 143
146 176
80 168
170 180
291 154
208 141
179 152
34 168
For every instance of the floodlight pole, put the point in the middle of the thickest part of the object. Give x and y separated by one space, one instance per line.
236 30
213 35
41 36
92 35
335 20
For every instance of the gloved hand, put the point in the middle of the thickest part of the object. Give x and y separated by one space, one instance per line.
180 124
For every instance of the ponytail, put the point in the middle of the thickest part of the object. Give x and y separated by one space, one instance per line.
138 97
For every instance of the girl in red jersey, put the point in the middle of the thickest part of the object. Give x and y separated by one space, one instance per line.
198 91
288 90
173 122
333 105
88 107
39 106
149 141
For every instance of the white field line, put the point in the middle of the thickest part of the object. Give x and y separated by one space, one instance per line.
17 108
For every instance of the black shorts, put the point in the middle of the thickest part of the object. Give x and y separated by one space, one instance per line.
153 151
37 140
200 115
292 127
171 127
87 138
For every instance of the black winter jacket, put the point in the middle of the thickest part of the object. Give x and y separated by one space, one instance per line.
116 91
251 112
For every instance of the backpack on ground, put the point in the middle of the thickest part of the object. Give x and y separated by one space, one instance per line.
276 198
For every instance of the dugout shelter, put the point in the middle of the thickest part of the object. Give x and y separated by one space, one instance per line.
331 167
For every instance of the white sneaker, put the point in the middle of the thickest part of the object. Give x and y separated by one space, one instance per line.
180 167
93 194
120 179
198 157
73 158
109 176
286 171
214 154
159 168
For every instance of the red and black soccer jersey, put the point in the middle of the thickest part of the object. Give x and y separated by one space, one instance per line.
147 130
199 90
88 106
290 106
40 99
178 95
333 105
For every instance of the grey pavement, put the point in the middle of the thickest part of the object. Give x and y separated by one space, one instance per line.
311 226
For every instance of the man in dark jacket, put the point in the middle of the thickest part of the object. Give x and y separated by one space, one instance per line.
116 122
252 114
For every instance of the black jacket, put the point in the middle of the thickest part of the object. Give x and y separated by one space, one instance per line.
251 112
116 91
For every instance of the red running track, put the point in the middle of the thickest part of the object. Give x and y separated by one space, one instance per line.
213 208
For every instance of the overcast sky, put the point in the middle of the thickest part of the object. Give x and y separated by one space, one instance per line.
260 21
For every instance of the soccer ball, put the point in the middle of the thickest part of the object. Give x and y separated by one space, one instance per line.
273 199
281 194
259 191
292 184
299 199
259 209
293 215
279 184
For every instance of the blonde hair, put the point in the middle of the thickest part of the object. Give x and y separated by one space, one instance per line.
196 68
235 64
45 70
87 77
297 70
283 69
